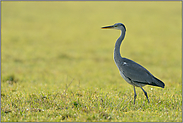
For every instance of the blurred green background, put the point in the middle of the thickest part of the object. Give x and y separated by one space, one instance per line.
47 45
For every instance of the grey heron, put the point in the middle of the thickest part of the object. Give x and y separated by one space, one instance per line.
131 71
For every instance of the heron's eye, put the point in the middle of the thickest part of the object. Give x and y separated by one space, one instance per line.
115 26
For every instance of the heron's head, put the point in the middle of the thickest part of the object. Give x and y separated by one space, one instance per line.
118 26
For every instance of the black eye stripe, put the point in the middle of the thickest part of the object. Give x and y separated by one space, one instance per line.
123 26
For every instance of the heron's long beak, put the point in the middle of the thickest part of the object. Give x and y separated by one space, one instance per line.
107 27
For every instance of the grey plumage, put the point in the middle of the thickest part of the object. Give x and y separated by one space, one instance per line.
131 71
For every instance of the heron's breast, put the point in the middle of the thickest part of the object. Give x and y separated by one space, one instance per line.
125 78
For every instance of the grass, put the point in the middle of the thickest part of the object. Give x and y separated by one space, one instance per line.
57 64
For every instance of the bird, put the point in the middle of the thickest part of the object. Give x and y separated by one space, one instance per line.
132 72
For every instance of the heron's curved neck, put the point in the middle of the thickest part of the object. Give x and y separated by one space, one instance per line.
117 54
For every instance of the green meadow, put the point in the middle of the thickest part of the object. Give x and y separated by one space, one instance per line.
57 63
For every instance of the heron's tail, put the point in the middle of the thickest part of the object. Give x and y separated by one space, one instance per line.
157 82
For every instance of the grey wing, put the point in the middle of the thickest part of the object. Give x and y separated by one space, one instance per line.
136 72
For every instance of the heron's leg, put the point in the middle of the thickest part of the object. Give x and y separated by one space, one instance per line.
135 95
145 93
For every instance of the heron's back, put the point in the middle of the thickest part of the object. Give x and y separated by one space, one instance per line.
136 74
